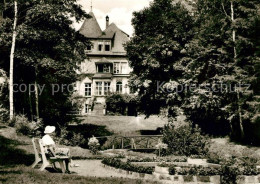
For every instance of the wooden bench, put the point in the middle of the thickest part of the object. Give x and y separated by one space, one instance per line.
41 156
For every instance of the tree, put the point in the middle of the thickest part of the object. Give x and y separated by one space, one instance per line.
224 52
203 61
48 50
156 48
11 85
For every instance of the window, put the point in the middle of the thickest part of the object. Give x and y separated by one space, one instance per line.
106 88
119 87
120 68
100 68
107 46
98 88
88 89
117 68
103 68
100 46
106 68
124 68
89 47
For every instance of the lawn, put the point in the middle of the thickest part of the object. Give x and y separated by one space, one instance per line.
22 174
126 125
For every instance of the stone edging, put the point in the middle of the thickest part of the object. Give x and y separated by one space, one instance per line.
242 179
162 174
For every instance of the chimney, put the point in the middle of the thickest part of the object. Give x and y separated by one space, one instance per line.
107 21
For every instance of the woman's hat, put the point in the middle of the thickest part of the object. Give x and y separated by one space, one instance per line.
49 129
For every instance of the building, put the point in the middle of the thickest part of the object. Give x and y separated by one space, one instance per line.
107 69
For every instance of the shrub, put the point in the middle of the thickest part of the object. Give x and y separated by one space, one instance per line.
172 170
232 167
3 114
127 166
26 127
119 103
70 138
213 158
22 125
195 170
185 140
93 144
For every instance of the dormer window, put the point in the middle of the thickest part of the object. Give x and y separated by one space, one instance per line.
89 47
103 68
106 68
107 46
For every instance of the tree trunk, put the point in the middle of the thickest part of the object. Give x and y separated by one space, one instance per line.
30 104
240 117
235 60
36 97
11 80
233 31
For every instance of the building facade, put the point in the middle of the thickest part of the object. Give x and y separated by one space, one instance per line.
107 69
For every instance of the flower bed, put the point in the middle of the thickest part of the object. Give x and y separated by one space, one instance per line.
195 170
127 166
240 175
188 174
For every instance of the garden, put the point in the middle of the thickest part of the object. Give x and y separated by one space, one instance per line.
184 154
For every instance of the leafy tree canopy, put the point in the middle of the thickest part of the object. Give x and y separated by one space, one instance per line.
47 51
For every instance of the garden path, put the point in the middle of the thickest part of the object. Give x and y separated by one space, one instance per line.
94 168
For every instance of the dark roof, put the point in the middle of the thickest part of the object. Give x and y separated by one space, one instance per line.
111 31
90 28
102 76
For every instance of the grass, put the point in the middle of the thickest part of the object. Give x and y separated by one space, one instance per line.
126 125
11 155
22 174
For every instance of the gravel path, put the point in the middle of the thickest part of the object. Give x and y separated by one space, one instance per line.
95 168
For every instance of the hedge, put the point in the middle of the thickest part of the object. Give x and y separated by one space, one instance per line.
127 166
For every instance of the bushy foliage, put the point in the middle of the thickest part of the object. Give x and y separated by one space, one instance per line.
93 145
200 60
230 169
127 166
233 167
185 140
70 138
213 158
26 127
195 170
43 56
4 114
119 103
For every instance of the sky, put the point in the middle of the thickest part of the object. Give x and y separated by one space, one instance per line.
119 12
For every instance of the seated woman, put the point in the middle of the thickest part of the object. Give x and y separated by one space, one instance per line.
51 148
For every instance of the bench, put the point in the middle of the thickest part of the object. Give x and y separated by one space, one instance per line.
41 156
